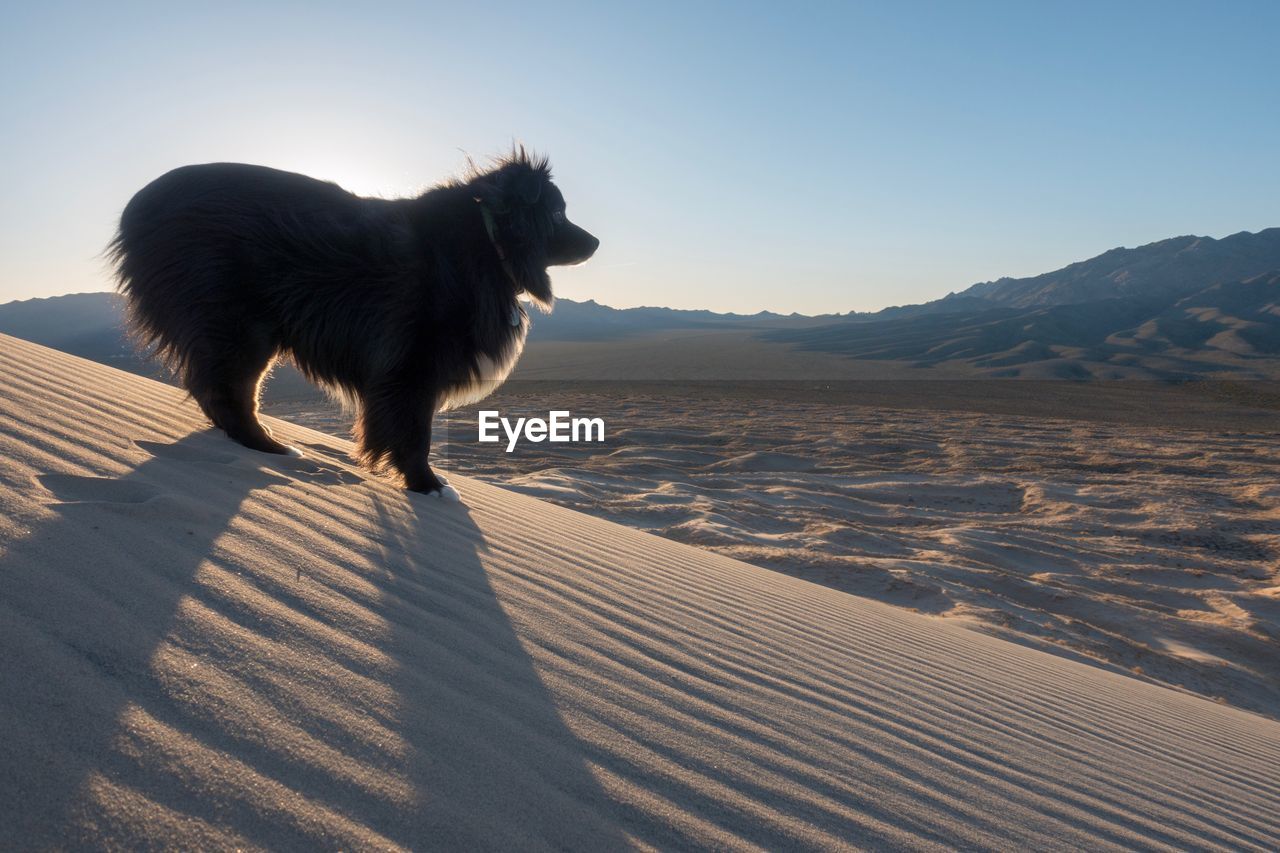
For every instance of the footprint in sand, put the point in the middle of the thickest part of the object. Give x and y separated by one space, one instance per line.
317 449
300 468
178 482
186 453
69 488
315 472
317 465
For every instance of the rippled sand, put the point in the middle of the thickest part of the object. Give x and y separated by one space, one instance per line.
210 648
1147 549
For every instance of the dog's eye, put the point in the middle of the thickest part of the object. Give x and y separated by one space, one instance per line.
557 216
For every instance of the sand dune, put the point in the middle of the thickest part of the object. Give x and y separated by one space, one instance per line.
1152 550
1131 525
206 648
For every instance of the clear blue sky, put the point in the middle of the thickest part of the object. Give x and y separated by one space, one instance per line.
738 156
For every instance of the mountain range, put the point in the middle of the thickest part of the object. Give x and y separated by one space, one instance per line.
1169 268
1181 308
1178 308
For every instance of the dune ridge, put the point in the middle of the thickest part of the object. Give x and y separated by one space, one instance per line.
206 647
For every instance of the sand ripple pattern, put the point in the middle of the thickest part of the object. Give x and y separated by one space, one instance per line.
206 648
1154 552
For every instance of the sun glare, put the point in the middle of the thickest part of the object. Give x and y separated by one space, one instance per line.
359 178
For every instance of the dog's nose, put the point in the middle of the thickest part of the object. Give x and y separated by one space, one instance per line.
592 245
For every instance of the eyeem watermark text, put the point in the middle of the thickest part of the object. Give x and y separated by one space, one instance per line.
559 426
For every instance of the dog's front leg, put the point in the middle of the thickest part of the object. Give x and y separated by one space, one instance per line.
395 423
415 464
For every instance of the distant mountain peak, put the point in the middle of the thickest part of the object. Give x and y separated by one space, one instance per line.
1164 268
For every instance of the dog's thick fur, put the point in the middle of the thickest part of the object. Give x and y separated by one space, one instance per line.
405 305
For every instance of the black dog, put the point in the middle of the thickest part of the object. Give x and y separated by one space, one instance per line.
406 306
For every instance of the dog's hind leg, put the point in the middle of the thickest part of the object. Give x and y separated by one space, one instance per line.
227 386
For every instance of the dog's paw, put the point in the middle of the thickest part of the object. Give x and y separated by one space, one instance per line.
290 450
448 494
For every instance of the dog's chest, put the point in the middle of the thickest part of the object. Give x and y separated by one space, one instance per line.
493 361
506 328
503 337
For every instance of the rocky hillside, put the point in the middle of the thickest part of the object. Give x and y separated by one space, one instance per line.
1177 266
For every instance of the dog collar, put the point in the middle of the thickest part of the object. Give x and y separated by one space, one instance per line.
491 228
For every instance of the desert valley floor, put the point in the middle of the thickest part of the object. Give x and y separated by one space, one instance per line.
1132 525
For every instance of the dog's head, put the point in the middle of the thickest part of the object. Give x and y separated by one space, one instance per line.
524 215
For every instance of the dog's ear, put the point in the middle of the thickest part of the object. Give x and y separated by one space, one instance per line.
526 187
512 186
